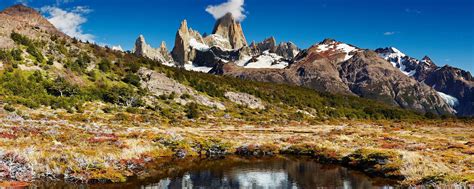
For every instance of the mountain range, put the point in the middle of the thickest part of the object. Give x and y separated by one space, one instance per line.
385 74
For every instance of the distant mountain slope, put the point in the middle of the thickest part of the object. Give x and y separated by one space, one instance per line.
26 21
456 86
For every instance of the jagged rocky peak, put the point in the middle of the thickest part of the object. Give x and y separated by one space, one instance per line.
145 50
163 46
328 41
267 44
390 51
186 43
427 60
288 50
230 30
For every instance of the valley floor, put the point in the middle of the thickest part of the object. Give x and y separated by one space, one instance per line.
95 146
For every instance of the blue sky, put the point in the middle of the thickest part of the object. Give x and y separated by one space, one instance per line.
441 29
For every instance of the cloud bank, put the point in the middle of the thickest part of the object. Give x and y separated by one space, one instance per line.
236 7
69 22
389 33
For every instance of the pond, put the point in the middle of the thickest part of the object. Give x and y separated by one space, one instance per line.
238 172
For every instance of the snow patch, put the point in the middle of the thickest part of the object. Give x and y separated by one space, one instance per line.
266 60
191 67
452 101
346 49
396 58
197 45
117 48
337 47
219 38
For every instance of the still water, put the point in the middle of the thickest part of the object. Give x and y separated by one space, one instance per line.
236 172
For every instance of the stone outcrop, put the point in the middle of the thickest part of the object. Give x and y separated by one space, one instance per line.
159 84
143 49
245 99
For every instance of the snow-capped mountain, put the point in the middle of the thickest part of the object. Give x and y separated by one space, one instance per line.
407 65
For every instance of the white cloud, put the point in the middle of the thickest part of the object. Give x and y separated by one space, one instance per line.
63 1
416 11
389 33
24 2
69 22
58 2
236 7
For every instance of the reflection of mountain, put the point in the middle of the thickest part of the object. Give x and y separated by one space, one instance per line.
270 173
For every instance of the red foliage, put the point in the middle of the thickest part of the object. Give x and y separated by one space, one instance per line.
103 137
7 135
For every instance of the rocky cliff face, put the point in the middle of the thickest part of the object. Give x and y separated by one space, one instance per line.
456 83
143 49
230 30
26 21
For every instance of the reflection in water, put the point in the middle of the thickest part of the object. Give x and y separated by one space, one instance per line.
271 173
235 172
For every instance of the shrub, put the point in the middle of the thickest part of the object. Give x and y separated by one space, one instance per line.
192 111
16 54
132 79
185 96
9 108
33 51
